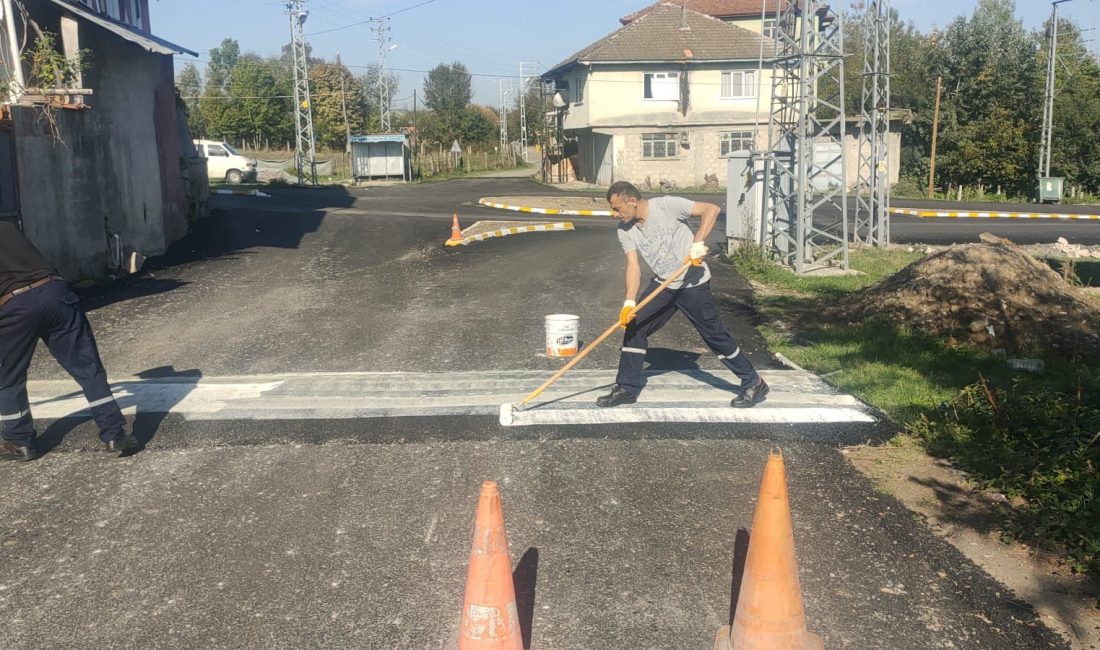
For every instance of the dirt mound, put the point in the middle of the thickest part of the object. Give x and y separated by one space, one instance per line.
990 294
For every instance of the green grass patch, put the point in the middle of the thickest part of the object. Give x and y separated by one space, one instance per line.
1036 437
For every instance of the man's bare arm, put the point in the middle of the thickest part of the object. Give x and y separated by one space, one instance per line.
708 215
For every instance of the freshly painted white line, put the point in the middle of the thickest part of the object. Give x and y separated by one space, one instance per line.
669 396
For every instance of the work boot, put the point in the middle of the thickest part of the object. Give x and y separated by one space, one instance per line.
751 395
617 397
15 451
121 443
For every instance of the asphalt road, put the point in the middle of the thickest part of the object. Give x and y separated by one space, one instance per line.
355 533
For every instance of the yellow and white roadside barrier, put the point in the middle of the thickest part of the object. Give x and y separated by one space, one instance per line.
552 211
951 214
515 230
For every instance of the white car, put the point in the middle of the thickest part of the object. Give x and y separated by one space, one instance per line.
225 162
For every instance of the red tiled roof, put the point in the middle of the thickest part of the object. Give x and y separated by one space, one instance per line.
669 33
715 8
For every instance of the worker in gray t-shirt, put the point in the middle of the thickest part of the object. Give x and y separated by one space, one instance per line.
656 230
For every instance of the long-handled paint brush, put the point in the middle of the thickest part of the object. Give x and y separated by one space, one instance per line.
508 411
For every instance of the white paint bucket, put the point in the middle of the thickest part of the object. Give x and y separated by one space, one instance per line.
561 335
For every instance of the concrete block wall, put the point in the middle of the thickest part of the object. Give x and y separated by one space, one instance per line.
104 177
701 157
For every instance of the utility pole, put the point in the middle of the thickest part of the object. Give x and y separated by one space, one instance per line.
303 108
873 197
382 27
347 125
505 95
935 136
416 137
527 71
806 172
1048 101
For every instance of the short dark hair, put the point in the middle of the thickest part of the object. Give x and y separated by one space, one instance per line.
624 189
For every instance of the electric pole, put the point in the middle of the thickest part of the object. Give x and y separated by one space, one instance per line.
1048 100
505 95
935 136
303 109
527 71
382 28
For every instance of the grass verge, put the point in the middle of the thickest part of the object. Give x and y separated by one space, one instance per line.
1035 438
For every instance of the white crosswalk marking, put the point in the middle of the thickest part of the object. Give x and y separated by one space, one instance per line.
670 396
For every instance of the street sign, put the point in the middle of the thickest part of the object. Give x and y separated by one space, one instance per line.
455 148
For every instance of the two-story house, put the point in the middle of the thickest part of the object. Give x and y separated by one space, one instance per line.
666 97
98 165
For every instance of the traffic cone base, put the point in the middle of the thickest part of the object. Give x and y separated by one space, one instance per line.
490 619
769 612
456 232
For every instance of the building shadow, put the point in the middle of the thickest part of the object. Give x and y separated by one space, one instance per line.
151 406
525 578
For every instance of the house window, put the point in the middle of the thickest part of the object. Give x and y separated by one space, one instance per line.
730 141
662 85
769 27
578 91
736 85
656 146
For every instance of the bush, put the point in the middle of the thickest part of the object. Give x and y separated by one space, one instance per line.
1034 440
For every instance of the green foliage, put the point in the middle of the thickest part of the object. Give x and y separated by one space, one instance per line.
993 73
1035 439
447 92
49 68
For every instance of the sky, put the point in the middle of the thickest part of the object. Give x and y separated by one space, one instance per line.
490 37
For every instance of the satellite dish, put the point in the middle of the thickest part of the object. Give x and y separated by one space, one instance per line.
558 101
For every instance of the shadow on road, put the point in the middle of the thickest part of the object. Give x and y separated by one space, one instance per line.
148 416
525 578
233 230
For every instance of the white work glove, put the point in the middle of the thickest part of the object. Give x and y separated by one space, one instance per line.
627 313
698 252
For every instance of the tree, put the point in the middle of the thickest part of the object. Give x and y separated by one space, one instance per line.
1075 141
258 109
330 84
447 92
189 84
222 61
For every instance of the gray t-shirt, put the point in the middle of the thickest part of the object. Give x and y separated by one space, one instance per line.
664 241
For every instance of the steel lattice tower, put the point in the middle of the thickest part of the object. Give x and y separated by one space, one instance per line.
527 72
806 179
382 27
872 225
505 95
303 108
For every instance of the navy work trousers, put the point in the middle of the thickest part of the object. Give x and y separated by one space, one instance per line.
53 314
697 303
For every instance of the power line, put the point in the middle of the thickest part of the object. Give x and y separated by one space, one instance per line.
371 19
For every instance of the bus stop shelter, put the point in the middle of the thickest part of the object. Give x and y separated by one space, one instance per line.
380 157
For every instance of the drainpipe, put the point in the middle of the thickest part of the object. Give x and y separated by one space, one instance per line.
16 68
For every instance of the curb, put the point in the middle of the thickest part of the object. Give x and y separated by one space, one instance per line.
504 232
242 193
927 214
523 208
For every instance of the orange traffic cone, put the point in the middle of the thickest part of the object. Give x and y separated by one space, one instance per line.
490 620
769 608
456 232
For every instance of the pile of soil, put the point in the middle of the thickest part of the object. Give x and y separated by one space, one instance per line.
991 294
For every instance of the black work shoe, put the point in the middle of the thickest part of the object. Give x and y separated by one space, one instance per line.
751 396
121 443
617 397
15 451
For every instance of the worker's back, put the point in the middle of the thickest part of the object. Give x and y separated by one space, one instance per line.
20 262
